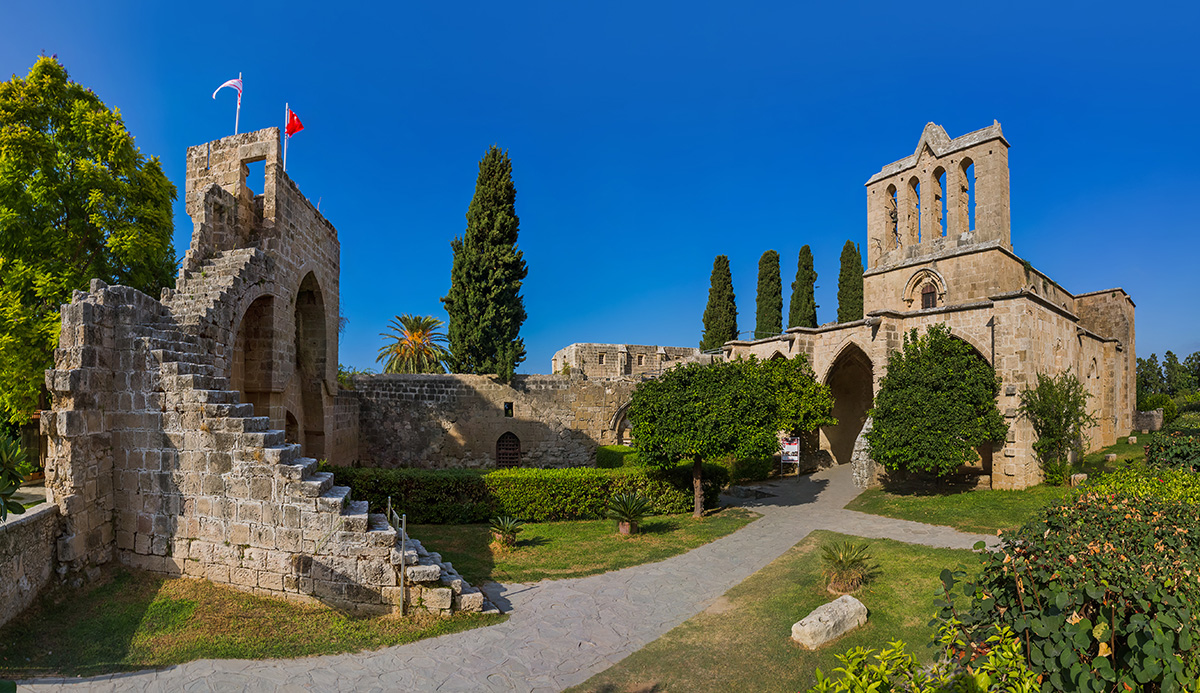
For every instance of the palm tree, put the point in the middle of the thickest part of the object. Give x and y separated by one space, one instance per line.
414 345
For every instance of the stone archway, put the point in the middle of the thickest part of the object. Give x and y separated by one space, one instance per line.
311 354
252 363
851 380
508 451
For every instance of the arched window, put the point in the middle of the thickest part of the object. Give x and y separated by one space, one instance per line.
929 296
508 451
913 230
891 218
938 211
966 195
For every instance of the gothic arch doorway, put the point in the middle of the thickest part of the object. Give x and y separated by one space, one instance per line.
850 378
251 363
508 451
311 347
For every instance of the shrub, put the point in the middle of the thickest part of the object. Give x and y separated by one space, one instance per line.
1100 590
847 565
471 496
1163 400
753 469
1173 485
505 529
1057 409
12 459
628 508
1174 451
614 456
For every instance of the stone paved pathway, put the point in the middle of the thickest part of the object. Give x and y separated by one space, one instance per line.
561 632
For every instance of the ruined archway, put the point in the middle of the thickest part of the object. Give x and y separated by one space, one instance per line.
311 348
508 450
850 378
252 362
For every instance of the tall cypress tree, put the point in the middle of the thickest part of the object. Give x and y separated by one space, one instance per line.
720 315
802 311
484 303
850 285
769 316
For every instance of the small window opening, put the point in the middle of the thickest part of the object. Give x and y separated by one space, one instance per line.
508 409
641 359
929 296
600 360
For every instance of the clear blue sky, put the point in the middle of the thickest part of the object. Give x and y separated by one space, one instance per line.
648 137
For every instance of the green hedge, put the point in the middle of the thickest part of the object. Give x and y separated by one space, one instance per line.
758 469
538 495
1174 451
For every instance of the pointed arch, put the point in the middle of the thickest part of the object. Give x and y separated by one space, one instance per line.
918 281
851 379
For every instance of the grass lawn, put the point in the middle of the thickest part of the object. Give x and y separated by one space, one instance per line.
558 550
743 641
980 512
615 456
135 620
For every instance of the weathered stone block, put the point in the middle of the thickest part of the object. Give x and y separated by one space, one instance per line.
829 622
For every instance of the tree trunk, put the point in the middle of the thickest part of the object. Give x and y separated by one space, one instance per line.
697 489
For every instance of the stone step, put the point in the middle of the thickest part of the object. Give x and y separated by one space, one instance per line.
240 424
317 484
355 516
192 381
298 469
288 453
218 410
333 500
215 397
261 439
174 368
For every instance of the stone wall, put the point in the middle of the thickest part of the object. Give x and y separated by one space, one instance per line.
454 421
623 360
26 557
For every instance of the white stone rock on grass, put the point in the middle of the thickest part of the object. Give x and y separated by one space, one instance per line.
829 622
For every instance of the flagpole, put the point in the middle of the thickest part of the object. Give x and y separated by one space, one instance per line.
285 135
238 113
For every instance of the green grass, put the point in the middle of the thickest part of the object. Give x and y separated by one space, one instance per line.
135 620
981 512
614 456
743 642
558 550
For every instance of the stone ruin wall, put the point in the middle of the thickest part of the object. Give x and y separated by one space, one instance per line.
155 461
622 360
455 421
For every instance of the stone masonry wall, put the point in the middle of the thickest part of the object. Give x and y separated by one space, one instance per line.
26 557
622 360
452 421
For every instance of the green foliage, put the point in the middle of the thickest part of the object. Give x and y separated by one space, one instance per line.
538 495
1101 591
936 405
614 456
1057 409
1177 378
415 345
850 284
997 666
12 460
1150 380
1174 451
505 529
802 309
720 314
847 565
77 201
747 469
627 507
1175 485
704 412
1192 365
769 316
346 375
1160 400
484 302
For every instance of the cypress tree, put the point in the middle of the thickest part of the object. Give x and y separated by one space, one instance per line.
720 315
769 316
802 311
850 285
484 303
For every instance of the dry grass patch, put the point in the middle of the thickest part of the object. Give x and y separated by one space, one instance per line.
135 620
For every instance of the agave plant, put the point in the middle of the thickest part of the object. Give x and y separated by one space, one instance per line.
628 509
505 530
414 345
847 565
12 459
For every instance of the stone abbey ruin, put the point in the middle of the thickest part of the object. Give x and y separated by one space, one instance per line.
185 432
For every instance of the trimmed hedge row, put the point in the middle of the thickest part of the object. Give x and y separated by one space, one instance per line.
1174 451
462 496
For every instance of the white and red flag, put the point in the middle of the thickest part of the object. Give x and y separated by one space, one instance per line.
234 84
291 125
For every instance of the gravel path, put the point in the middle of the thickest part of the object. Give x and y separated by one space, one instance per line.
564 631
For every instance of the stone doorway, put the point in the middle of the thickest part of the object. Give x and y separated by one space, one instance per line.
851 380
508 451
253 357
311 346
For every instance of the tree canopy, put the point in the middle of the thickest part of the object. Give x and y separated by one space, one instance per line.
802 310
414 344
78 201
1056 407
769 315
484 303
720 315
850 284
705 412
936 404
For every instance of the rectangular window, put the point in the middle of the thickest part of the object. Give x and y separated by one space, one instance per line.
508 409
641 359
601 360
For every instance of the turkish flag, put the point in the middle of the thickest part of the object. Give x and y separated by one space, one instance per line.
293 124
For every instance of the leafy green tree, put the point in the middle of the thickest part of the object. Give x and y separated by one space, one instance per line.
414 345
1192 364
484 303
720 315
802 310
78 201
936 405
1177 379
704 412
1150 380
1057 409
850 285
769 316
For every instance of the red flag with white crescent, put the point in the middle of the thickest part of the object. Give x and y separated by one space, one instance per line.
293 124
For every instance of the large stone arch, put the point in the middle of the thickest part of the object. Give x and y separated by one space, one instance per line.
305 395
851 378
253 358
